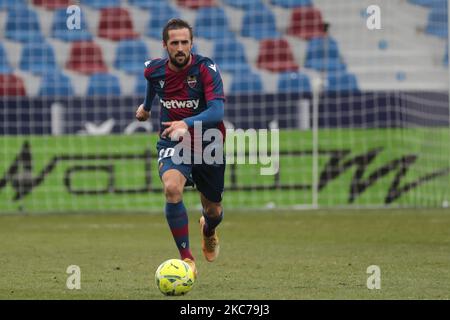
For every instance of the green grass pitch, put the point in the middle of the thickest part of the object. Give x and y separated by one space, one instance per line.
320 254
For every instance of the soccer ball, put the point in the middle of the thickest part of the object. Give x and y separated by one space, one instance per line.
174 277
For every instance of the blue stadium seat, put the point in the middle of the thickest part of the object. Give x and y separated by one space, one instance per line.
437 23
38 58
211 23
59 28
294 82
341 82
247 83
324 64
141 85
103 84
5 67
146 4
22 25
322 47
159 17
428 3
12 4
56 84
229 54
323 54
259 23
242 4
100 4
130 56
292 3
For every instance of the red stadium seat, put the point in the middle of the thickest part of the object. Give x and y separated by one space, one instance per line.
11 85
276 55
86 57
116 24
195 4
53 4
306 23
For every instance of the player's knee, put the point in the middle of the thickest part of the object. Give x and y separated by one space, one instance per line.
173 191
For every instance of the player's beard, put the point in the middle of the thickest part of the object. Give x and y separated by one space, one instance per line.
177 64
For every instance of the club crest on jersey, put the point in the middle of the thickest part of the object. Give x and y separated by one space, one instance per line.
161 83
192 81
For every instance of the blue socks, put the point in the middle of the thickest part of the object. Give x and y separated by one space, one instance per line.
211 224
178 222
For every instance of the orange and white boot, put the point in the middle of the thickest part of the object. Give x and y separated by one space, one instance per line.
210 245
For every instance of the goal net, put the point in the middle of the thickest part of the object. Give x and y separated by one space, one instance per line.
329 103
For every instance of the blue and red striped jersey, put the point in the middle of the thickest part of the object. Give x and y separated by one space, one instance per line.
185 93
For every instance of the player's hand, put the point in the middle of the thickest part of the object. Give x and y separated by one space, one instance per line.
141 114
175 129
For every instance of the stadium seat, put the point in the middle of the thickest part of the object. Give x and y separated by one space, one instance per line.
306 23
324 64
11 85
140 86
276 55
259 23
322 47
12 4
53 4
229 55
86 57
116 24
242 4
341 82
131 55
323 54
428 3
211 23
59 28
158 18
38 58
5 67
101 4
294 82
146 4
103 84
437 23
196 4
291 3
22 25
246 83
55 84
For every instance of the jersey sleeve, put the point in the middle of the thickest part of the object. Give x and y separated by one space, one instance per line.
212 81
149 95
150 91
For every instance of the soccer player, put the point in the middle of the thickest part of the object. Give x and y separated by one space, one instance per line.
190 90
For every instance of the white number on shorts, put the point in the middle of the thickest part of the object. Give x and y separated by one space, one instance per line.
164 153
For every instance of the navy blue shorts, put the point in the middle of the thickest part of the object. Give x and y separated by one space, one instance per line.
207 178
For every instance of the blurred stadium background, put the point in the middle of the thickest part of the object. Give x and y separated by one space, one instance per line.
363 114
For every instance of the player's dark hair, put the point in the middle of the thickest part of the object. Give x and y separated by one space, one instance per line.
175 24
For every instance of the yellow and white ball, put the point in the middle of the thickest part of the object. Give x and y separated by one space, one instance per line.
174 277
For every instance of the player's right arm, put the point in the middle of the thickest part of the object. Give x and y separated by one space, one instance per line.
143 111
